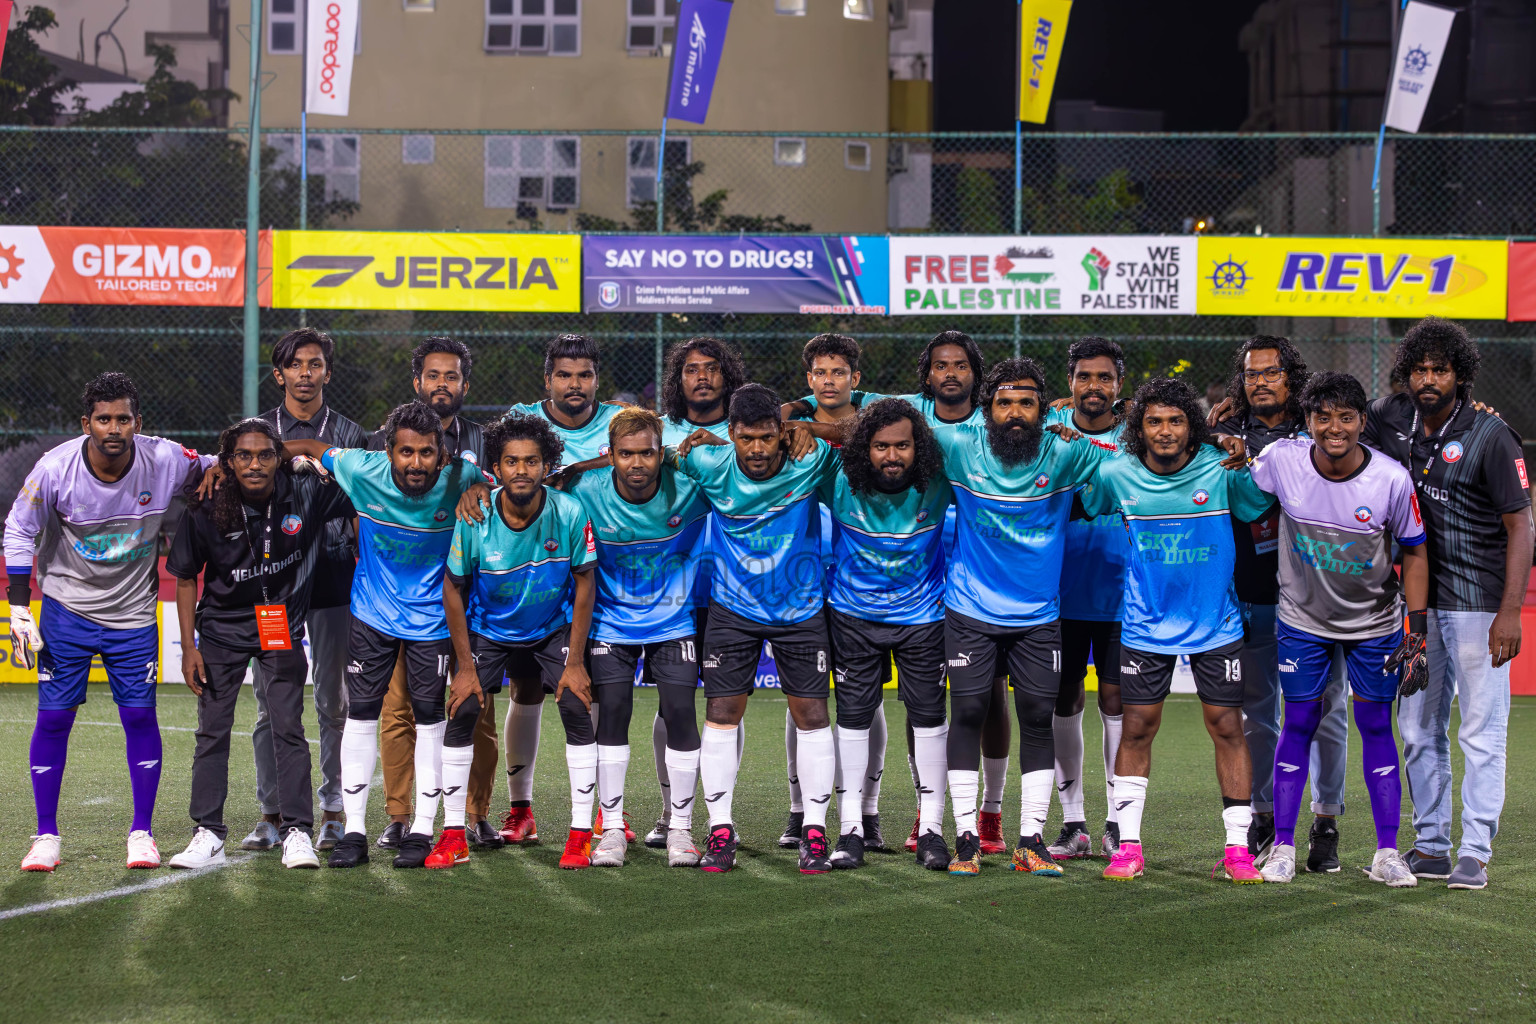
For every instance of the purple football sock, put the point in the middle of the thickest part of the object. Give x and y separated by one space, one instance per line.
1301 721
50 745
1383 780
142 730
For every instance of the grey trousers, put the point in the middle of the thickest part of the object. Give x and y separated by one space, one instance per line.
328 629
284 672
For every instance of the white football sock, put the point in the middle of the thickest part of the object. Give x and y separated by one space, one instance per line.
429 776
522 732
1034 800
683 780
1068 732
1236 821
359 753
456 762
852 766
719 761
962 794
1131 802
663 774
1112 725
879 736
581 762
818 763
994 772
792 759
917 785
930 768
612 764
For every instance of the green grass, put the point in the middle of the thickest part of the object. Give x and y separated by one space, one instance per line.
509 936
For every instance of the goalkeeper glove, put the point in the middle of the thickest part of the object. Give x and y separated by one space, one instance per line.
26 640
1410 656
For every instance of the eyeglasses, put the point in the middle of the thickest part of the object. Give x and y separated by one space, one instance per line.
1269 375
266 457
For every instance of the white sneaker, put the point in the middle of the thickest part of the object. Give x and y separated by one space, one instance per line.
1388 866
143 853
1280 865
298 851
205 850
44 855
610 851
681 853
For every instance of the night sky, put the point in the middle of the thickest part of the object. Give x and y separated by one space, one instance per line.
1179 58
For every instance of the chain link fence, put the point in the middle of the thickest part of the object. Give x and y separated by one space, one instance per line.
187 360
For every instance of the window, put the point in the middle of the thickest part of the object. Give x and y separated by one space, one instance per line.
859 10
285 34
794 8
527 171
856 156
336 158
420 5
533 26
642 165
418 149
652 24
789 152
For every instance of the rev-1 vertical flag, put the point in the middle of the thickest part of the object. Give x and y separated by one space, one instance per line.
1042 32
701 28
1420 52
330 47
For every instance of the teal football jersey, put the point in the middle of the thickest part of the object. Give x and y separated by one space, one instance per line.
888 556
1098 548
588 441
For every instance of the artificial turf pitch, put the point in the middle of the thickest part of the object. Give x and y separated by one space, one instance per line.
509 936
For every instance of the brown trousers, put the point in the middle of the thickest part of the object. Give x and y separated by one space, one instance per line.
397 752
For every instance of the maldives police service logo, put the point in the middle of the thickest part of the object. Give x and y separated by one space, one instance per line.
1202 496
1042 480
922 515
292 525
1451 453
440 515
144 497
674 520
1363 514
608 294
551 544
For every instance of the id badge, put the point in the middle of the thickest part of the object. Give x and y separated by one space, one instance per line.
272 627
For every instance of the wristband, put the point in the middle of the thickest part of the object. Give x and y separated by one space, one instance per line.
19 590
1418 622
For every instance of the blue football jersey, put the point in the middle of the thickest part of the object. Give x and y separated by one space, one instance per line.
520 580
647 557
1006 568
1098 548
588 441
403 542
673 432
1179 597
766 538
888 553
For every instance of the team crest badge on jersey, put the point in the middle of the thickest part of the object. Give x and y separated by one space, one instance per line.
1042 480
1452 451
440 515
1202 496
1520 468
922 515
292 525
551 544
674 520
144 497
602 450
1363 514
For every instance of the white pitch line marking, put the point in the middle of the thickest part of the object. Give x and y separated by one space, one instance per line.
173 876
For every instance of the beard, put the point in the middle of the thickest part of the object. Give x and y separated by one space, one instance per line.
1432 403
442 404
415 492
1015 444
896 485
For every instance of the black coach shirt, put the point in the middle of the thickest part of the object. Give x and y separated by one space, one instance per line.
1257 569
299 507
1467 476
338 555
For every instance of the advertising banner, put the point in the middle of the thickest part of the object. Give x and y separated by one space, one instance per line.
701 26
1364 277
124 266
1042 32
1042 274
1420 52
1522 281
331 44
491 273
748 274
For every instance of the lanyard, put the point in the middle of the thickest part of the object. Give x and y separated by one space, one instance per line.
266 549
1414 436
319 431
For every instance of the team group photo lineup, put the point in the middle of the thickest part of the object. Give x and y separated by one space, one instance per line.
1302 545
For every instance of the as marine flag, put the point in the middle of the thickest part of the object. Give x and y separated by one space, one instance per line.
1042 31
701 28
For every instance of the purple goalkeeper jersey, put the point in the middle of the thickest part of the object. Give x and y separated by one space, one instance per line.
1336 576
94 541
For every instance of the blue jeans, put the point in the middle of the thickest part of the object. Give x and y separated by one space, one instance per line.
1261 718
1459 667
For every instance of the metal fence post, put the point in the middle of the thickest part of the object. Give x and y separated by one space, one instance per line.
252 340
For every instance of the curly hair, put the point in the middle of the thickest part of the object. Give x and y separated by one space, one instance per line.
831 345
1434 336
417 417
1296 373
514 426
972 353
449 345
1163 391
110 387
1340 390
227 498
875 417
1001 373
674 401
